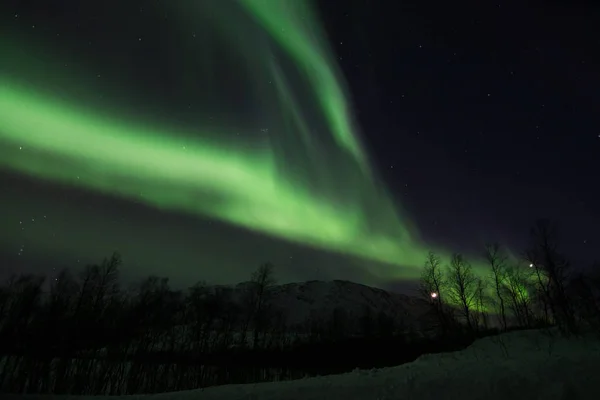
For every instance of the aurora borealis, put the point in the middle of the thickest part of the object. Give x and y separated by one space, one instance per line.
272 146
154 167
343 210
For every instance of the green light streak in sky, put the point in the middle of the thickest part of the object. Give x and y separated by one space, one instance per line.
338 206
54 141
293 25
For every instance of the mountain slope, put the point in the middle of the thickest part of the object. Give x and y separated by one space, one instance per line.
318 300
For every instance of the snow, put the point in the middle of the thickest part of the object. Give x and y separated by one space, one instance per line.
318 299
517 365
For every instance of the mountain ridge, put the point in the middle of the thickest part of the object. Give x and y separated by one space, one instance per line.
318 300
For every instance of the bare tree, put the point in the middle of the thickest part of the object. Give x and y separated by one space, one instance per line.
431 288
481 302
552 270
496 258
256 298
23 300
264 280
432 277
462 287
516 288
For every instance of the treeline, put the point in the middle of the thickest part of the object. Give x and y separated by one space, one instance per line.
84 333
538 289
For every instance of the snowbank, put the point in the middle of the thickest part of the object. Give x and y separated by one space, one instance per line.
518 365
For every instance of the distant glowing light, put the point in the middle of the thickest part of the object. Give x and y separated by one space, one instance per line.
530 265
434 295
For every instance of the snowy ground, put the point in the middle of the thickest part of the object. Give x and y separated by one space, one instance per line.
519 365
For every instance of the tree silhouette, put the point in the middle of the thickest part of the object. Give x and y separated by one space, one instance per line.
517 288
497 261
432 287
256 297
552 272
462 287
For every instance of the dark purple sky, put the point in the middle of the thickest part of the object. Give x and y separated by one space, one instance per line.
483 115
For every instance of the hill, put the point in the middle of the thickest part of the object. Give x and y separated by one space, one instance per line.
318 300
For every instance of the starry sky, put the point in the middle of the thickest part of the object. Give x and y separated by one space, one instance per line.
342 141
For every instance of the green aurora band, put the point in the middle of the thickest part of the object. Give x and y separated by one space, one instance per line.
317 190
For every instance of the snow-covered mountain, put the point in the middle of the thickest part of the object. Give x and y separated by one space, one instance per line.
318 300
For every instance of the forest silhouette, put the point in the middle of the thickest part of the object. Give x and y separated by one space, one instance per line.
84 333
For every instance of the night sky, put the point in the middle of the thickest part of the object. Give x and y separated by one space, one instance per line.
202 138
